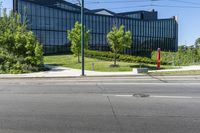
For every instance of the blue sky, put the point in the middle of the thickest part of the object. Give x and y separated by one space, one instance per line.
186 10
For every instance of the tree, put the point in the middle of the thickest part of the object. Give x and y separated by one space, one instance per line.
118 39
197 43
197 49
75 37
19 50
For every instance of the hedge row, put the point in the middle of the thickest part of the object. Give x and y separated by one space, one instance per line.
125 58
166 57
187 57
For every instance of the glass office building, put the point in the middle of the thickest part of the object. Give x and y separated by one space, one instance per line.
50 19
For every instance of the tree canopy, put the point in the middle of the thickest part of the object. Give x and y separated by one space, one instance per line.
197 43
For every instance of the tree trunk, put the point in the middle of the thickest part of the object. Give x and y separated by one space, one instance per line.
79 57
115 60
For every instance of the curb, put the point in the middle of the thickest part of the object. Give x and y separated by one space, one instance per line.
99 76
60 77
173 75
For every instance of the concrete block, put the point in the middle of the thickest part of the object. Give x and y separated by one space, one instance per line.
140 70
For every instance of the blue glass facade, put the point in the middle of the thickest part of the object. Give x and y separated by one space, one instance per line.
50 19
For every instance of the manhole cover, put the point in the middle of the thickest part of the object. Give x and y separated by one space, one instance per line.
141 95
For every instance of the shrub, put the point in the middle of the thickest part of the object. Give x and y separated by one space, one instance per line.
19 50
186 56
167 58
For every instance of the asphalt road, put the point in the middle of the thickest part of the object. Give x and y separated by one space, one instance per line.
101 105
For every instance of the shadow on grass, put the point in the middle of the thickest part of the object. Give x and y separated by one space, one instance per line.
114 66
54 67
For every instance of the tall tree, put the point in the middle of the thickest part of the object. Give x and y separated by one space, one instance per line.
74 35
118 40
197 43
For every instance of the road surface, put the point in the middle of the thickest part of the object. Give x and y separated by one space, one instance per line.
101 105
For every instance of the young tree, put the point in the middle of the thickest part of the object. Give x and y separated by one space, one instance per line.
118 40
75 37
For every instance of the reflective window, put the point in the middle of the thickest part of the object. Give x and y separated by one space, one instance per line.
50 25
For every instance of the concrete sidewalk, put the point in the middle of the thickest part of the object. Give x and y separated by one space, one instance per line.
57 72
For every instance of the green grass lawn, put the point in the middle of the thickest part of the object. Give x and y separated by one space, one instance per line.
191 72
99 65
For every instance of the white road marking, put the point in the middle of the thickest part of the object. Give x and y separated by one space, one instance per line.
148 83
167 97
124 95
118 83
126 84
173 97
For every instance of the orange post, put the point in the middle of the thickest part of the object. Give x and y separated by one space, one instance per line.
158 59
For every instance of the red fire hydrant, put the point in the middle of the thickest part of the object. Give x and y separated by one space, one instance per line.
158 59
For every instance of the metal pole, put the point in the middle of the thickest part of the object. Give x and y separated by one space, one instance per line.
82 37
0 7
15 5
